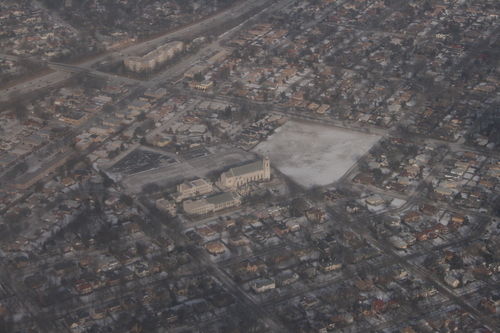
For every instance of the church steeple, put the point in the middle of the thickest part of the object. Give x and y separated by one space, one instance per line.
266 165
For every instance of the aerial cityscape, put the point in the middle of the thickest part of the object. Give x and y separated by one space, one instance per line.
234 166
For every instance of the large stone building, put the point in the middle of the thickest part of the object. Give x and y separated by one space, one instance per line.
154 58
212 204
192 188
238 176
205 85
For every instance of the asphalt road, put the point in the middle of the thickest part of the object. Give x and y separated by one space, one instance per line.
55 16
140 48
64 71
199 255
360 228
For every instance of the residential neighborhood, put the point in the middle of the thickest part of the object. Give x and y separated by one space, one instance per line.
249 166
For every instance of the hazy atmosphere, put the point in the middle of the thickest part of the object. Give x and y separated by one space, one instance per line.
249 166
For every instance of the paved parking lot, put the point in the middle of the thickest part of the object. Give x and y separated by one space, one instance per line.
141 160
195 153
196 167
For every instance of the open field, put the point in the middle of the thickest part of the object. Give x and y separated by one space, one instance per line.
313 154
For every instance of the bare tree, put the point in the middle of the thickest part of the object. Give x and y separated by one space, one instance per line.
150 188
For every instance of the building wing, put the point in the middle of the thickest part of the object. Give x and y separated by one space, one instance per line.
244 169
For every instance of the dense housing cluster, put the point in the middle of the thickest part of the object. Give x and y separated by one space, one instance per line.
327 166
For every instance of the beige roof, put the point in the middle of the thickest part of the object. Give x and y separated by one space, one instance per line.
223 197
191 205
194 183
215 247
244 169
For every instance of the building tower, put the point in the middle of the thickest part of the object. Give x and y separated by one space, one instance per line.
266 166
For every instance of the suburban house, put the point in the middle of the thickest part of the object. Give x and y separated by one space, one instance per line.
263 285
